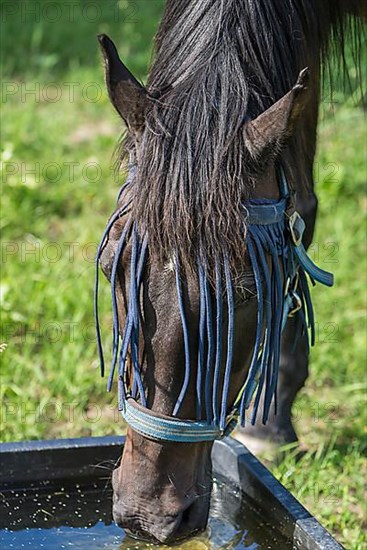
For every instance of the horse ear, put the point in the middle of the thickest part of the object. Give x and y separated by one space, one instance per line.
266 134
127 95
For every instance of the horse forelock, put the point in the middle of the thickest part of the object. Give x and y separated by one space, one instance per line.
216 62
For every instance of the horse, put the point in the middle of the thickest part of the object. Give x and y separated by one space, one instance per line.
206 250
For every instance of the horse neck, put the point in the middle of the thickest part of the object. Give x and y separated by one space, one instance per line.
280 38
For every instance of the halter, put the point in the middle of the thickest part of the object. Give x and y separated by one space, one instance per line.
274 230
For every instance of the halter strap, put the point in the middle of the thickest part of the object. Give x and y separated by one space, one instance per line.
168 428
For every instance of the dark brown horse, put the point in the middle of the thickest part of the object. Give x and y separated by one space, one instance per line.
226 105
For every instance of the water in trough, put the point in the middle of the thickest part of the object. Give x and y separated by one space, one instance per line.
79 516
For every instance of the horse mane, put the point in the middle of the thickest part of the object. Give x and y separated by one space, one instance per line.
217 62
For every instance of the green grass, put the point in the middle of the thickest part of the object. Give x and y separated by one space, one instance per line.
52 218
331 410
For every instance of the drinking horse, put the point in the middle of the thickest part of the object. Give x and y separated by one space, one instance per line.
206 250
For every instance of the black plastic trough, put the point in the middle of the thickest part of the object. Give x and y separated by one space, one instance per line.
28 463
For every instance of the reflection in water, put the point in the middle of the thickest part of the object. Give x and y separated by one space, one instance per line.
79 517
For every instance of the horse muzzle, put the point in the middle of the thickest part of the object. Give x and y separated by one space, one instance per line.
140 520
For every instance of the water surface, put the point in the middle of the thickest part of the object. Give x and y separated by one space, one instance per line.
79 517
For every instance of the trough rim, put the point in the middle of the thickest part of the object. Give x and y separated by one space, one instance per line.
24 462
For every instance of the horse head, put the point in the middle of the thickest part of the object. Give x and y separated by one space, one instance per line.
193 334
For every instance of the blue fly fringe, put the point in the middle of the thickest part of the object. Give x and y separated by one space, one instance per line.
273 259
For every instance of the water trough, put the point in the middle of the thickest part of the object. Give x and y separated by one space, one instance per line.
38 477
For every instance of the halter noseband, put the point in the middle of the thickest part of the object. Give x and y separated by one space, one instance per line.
274 227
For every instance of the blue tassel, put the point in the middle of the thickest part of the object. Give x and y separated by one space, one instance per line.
210 350
200 366
116 327
186 340
120 212
230 337
218 334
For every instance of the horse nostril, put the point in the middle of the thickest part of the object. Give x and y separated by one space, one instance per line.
186 516
189 521
193 519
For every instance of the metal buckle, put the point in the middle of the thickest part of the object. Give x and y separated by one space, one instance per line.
298 303
288 283
296 227
286 288
229 419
